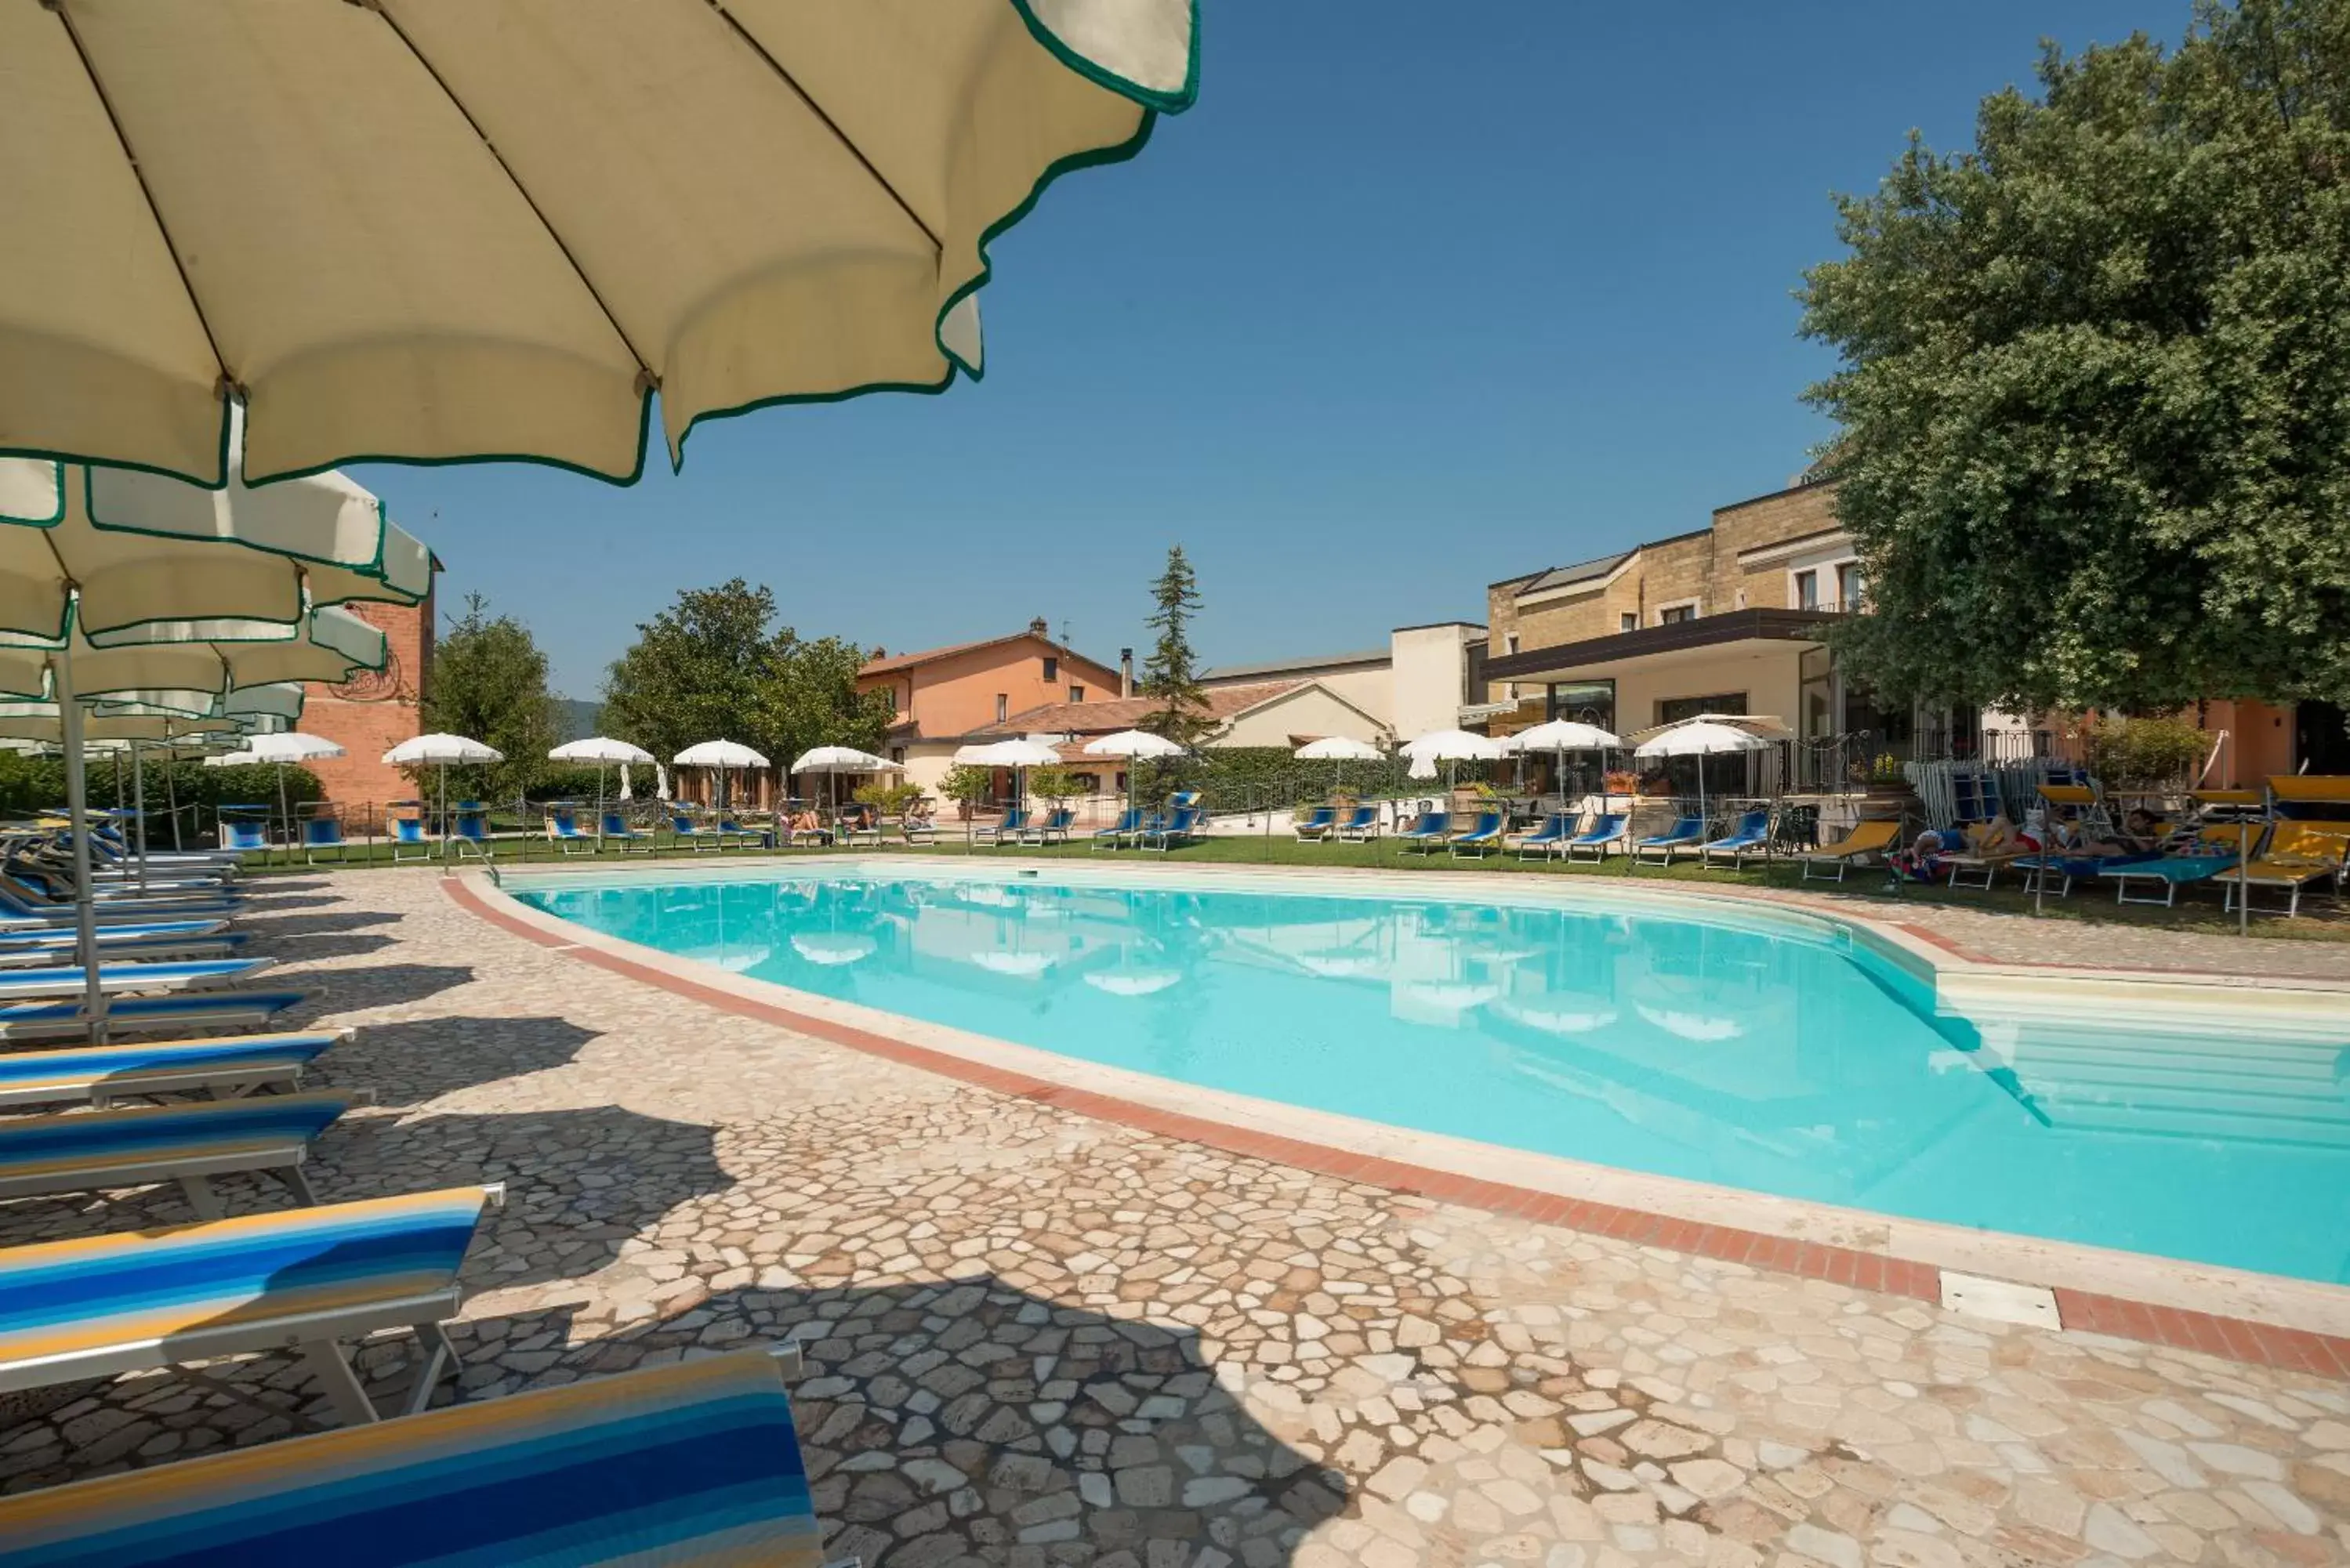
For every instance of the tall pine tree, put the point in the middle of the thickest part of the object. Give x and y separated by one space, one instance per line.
1171 674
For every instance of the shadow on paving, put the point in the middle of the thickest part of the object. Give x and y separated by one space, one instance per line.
580 1183
410 1063
946 1424
271 928
305 946
378 985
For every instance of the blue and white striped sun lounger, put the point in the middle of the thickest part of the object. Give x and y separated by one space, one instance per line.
1316 825
115 948
31 1021
83 1151
1607 832
1129 822
1548 839
1687 833
692 1465
1430 830
21 906
1181 826
98 1306
1482 835
118 979
631 842
1008 831
1360 825
1751 834
224 1068
62 938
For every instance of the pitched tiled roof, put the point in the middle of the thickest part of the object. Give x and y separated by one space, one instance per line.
1115 713
1295 666
890 664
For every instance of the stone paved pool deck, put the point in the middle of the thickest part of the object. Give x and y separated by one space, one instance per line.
1039 1337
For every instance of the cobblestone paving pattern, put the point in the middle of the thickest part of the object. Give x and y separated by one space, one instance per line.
1035 1339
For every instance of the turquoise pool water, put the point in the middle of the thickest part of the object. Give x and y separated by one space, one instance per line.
1753 1050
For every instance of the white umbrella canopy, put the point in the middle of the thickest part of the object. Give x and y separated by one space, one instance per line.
442 752
495 230
1132 744
291 746
1564 735
140 548
1454 746
1700 739
328 645
1338 749
843 759
603 751
1008 754
719 754
722 755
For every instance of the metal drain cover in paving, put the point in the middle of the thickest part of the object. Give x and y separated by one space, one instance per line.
2030 1305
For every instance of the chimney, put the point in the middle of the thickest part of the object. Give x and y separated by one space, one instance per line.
1039 629
1126 672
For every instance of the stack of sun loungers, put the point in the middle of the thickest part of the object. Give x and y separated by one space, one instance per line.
696 1461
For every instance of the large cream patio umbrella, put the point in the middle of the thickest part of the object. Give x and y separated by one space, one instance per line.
722 755
1700 739
424 230
1133 746
84 558
834 760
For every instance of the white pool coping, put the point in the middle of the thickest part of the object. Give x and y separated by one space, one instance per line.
2212 1002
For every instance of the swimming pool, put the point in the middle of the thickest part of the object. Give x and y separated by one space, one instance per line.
1769 1052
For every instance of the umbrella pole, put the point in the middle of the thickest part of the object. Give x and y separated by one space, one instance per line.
172 799
77 827
139 821
285 814
599 808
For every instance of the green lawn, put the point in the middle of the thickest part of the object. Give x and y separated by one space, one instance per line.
2322 920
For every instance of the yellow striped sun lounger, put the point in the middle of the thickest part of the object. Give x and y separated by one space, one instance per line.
305 1279
2299 853
688 1466
189 1144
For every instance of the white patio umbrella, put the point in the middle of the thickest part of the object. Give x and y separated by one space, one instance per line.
722 755
834 760
88 557
1338 750
1451 747
495 231
1019 756
1561 736
442 752
603 751
1699 741
291 747
1134 745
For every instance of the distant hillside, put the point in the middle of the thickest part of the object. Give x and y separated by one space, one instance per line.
575 718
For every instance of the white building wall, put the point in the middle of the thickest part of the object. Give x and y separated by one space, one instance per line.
1429 670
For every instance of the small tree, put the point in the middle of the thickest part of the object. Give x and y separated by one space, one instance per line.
489 682
1058 786
1171 674
967 785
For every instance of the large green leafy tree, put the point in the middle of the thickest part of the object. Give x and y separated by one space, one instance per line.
1172 673
489 682
713 666
2095 393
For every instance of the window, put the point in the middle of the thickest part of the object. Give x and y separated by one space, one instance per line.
1003 707
1052 670
1510 643
1849 585
1673 710
1628 621
1584 701
897 754
1807 590
1076 693
1673 615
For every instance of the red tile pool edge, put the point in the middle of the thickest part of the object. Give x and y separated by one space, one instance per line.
2237 1339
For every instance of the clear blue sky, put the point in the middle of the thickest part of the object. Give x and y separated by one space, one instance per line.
1401 307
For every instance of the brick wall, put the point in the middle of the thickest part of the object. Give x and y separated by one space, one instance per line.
373 713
